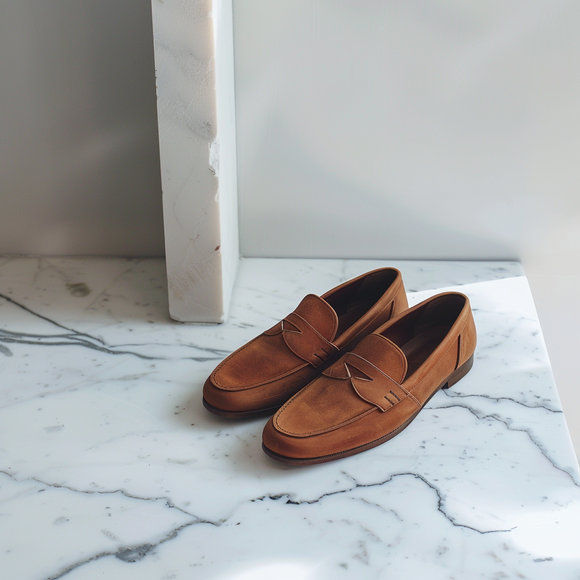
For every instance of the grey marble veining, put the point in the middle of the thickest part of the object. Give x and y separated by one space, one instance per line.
111 468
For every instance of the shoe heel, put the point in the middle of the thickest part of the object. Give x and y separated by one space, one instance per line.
458 373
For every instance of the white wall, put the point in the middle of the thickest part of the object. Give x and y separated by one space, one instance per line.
415 129
79 154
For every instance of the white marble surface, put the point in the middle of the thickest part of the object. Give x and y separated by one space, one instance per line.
110 467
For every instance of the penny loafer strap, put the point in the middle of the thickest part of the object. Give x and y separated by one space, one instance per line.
375 387
305 341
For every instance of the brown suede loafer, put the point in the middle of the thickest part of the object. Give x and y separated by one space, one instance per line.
261 375
372 393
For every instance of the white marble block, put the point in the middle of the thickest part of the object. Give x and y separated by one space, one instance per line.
195 102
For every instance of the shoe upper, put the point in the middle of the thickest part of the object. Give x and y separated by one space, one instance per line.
298 340
380 385
273 366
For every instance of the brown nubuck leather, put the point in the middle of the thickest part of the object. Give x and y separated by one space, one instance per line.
264 373
374 391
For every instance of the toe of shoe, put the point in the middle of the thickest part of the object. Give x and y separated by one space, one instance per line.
241 403
217 398
280 444
226 402
286 448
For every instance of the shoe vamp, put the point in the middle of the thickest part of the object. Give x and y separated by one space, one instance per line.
324 405
262 360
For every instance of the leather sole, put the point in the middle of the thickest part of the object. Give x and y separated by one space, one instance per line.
240 414
453 378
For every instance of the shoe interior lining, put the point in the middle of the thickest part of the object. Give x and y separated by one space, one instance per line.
418 349
418 334
354 300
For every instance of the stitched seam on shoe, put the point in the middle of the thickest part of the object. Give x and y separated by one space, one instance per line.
372 365
410 395
310 326
400 354
339 425
334 427
407 394
384 376
216 383
263 383
347 452
289 401
325 430
327 342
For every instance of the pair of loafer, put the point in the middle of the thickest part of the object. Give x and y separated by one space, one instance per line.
346 371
